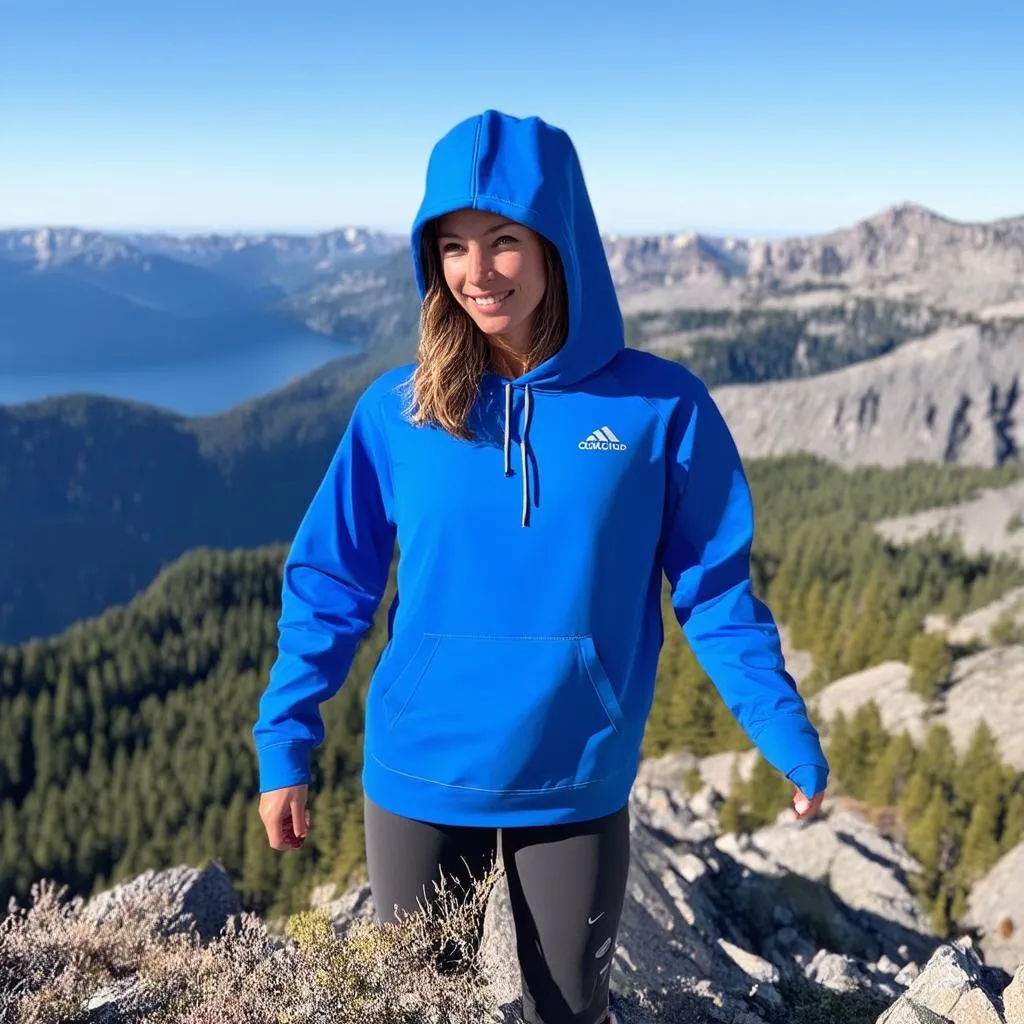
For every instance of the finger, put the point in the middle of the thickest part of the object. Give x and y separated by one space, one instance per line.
298 820
801 804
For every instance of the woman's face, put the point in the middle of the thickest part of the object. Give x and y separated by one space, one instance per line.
488 257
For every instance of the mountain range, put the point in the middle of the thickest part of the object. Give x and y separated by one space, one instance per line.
895 339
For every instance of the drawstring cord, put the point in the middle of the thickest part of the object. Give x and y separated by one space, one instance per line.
508 435
522 447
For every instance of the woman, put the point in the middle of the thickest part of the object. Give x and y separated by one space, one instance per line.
511 699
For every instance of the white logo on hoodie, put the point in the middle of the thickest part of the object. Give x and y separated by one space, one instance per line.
602 440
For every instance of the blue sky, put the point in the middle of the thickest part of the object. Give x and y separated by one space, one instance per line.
755 118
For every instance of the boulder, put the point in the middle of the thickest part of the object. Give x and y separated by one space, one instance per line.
188 897
995 908
951 989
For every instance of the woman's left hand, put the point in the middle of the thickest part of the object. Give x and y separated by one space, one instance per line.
807 808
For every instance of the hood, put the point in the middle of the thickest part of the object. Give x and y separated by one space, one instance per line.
528 170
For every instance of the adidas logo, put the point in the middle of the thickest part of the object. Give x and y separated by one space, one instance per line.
602 440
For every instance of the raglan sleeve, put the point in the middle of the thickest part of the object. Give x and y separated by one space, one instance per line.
707 541
334 577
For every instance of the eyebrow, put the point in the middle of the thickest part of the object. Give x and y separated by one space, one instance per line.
489 231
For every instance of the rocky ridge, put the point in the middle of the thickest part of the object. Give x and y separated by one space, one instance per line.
716 928
951 397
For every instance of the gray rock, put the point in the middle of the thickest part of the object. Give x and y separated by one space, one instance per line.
838 973
995 907
885 966
989 687
705 803
976 626
203 899
950 989
1013 998
906 974
354 905
123 1002
927 400
904 251
985 687
750 963
845 882
716 770
888 685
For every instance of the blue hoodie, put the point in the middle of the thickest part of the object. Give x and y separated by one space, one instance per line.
523 641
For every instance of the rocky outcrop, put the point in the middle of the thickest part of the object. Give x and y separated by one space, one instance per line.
977 627
888 686
995 908
950 397
988 523
987 687
191 898
954 988
716 928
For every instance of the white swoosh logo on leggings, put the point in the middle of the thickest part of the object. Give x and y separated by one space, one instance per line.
591 920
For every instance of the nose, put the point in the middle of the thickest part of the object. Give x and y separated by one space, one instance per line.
478 269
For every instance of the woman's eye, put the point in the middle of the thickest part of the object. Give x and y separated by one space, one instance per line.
453 246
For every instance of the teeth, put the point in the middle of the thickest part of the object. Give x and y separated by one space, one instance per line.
492 300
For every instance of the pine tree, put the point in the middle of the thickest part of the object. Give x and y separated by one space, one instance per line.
934 768
892 772
906 628
930 664
1013 822
869 635
867 741
980 848
928 842
978 770
807 628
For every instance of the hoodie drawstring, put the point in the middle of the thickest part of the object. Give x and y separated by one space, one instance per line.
522 447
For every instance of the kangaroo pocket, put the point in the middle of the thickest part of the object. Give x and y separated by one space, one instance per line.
502 713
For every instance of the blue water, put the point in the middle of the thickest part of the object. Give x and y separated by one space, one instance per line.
196 386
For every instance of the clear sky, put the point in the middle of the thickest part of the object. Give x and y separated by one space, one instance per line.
753 117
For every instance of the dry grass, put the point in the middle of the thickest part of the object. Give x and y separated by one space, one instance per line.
52 960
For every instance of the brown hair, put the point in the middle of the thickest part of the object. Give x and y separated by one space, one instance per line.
454 353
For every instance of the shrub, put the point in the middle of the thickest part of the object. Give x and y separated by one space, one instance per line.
52 960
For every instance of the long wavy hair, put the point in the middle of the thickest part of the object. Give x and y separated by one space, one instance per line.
453 352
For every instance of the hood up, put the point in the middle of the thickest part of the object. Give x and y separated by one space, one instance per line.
528 171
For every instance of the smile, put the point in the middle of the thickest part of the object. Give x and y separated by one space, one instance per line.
490 300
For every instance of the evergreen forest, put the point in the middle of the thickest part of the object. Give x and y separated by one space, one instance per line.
125 741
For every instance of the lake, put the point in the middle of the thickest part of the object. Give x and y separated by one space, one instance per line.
196 386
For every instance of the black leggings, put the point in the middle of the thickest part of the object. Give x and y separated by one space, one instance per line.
566 886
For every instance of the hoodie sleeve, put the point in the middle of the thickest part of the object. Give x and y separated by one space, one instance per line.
709 528
334 577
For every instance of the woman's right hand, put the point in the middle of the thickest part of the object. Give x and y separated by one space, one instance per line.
285 817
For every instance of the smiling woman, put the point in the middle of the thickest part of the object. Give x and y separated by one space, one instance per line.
470 258
508 707
498 278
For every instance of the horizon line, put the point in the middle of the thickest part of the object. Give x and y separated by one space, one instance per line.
186 231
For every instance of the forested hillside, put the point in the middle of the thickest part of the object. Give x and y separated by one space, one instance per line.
125 742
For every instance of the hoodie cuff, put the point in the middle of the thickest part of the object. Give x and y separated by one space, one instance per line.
810 779
790 743
284 764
